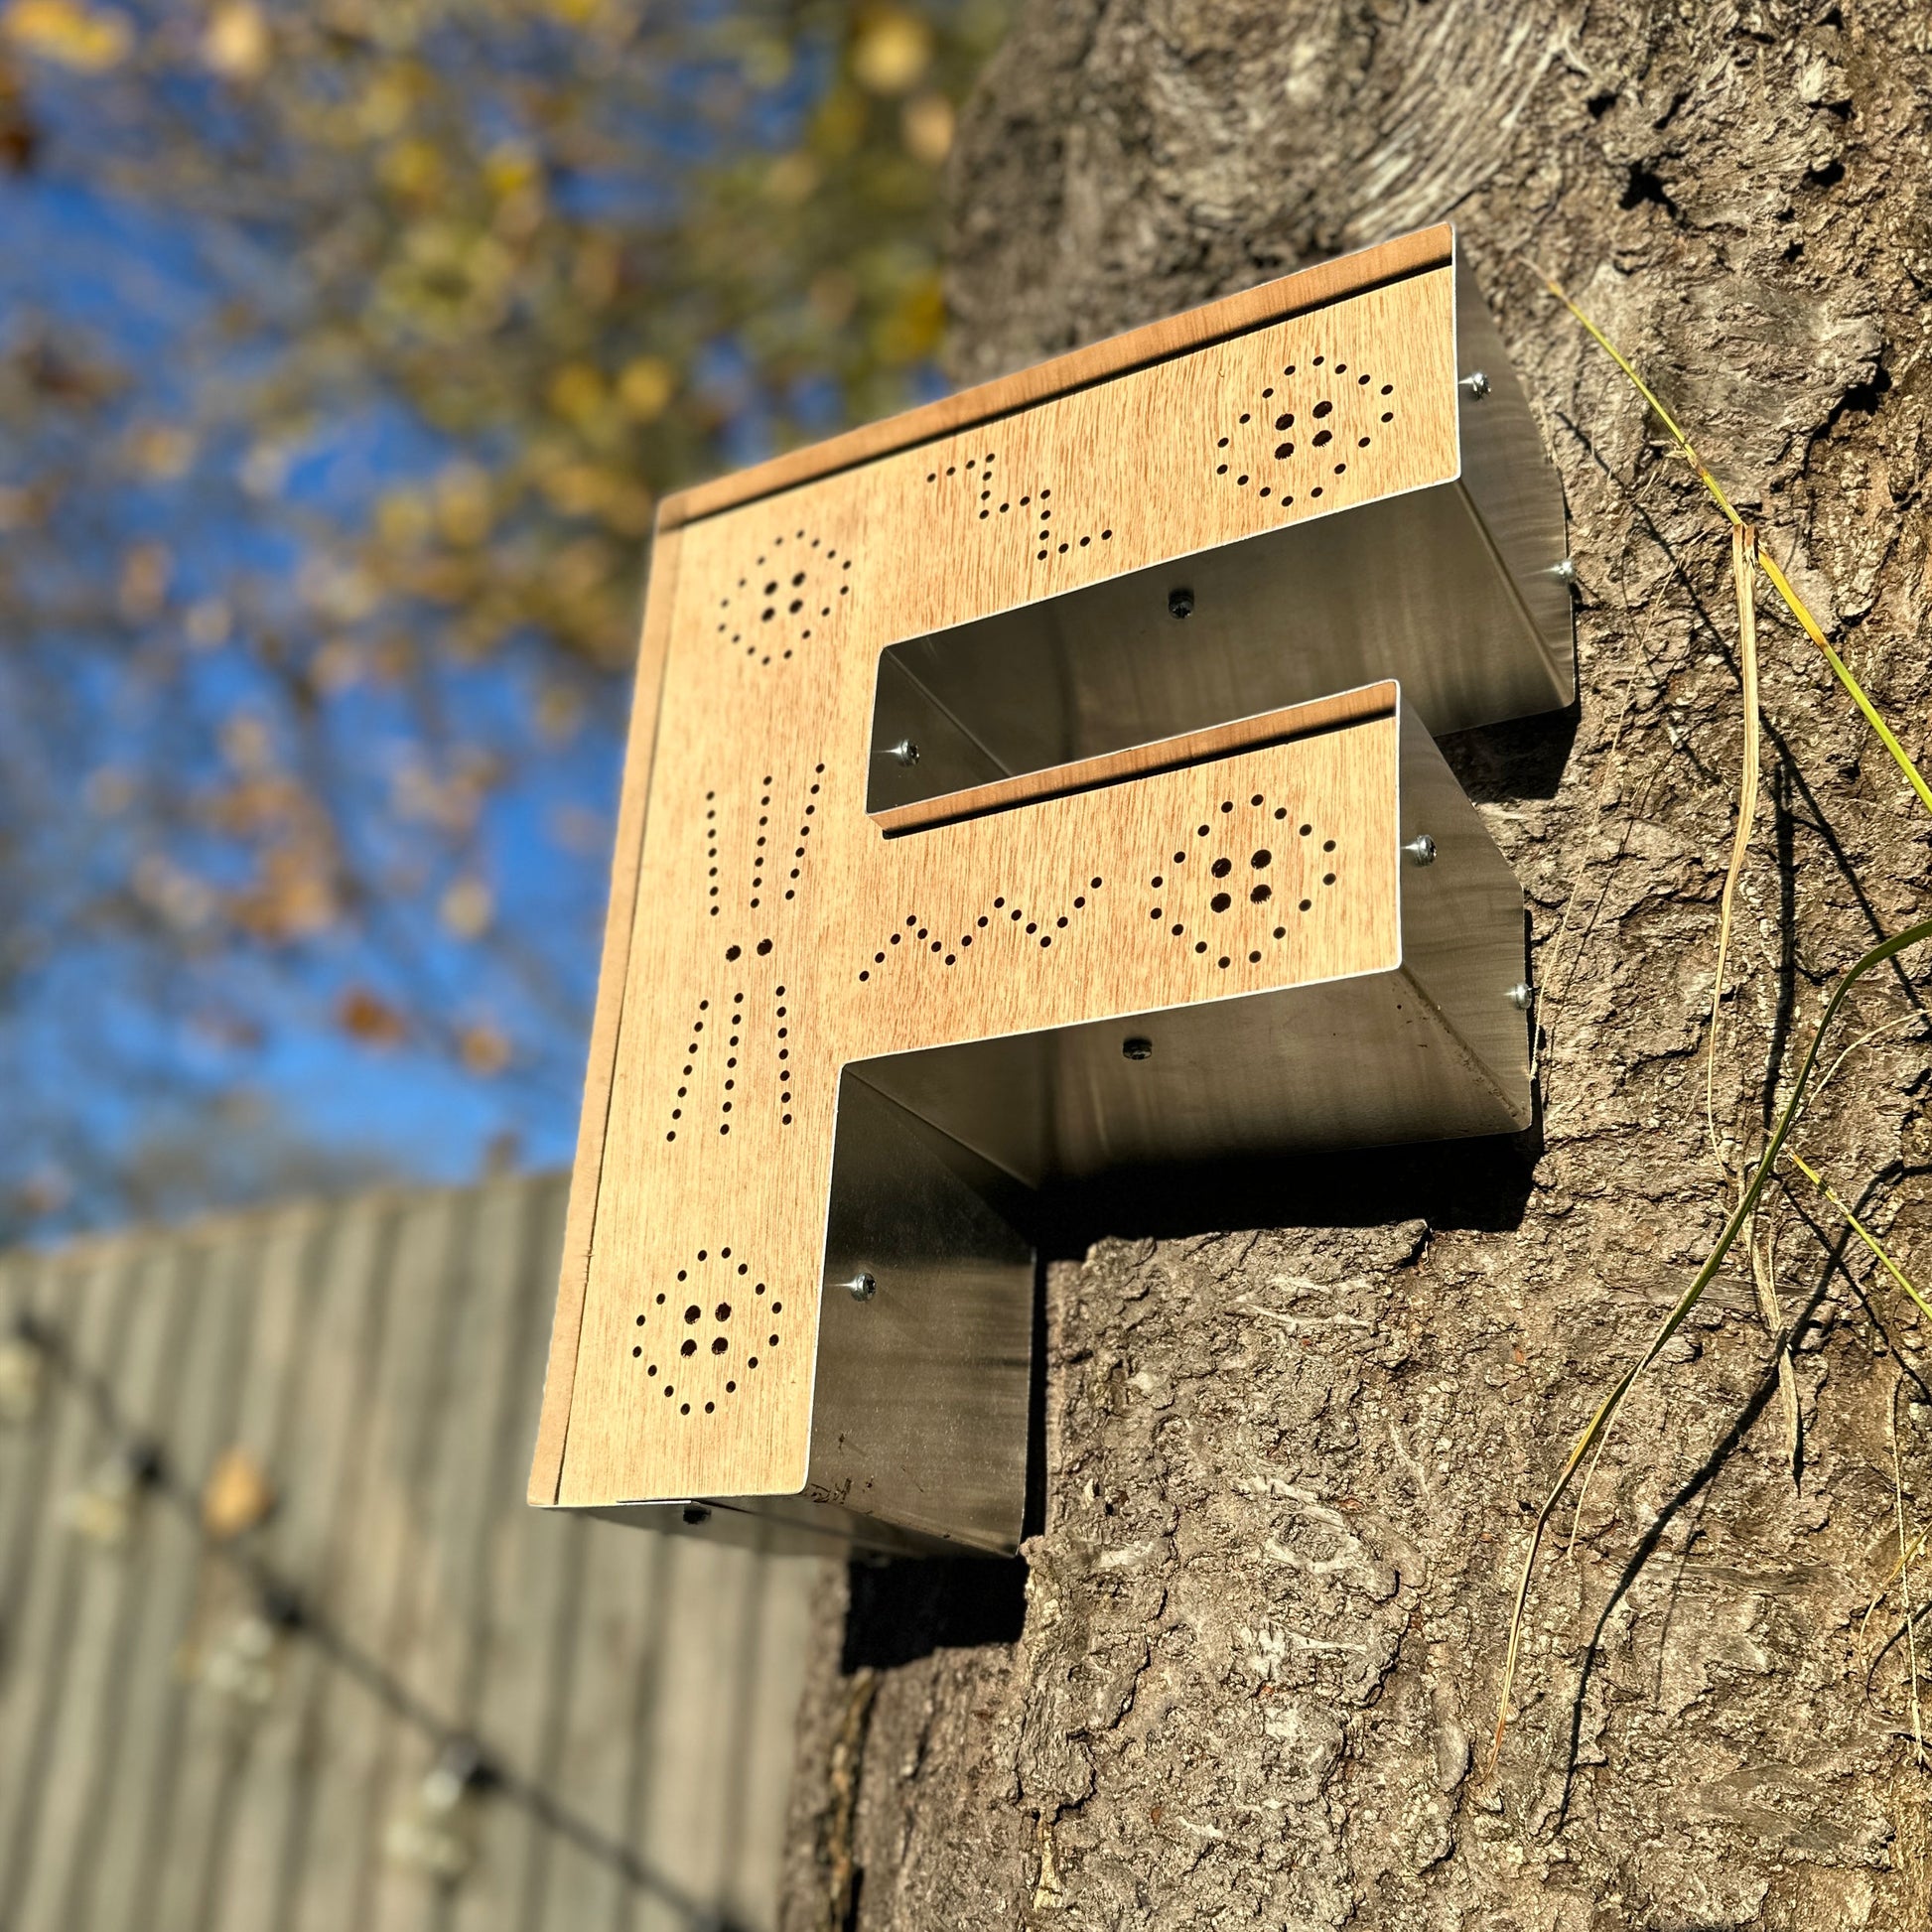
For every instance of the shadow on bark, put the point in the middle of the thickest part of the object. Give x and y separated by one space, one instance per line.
898 1611
1479 1184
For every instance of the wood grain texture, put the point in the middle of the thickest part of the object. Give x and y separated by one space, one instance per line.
773 928
986 402
1141 760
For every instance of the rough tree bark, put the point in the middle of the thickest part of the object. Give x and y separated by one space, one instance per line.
1289 1469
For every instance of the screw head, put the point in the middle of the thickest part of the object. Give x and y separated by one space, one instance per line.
1180 603
1137 1049
696 1513
1420 850
1521 996
1564 572
862 1287
906 752
1476 383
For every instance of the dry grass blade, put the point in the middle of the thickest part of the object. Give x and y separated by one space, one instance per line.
1904 1572
1743 561
1776 577
1890 1576
1746 1205
1864 1234
1764 1280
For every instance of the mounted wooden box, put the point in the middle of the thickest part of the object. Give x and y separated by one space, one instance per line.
1019 788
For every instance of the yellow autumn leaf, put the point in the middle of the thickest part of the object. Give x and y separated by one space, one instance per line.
484 1050
235 43
646 386
926 126
147 569
509 168
560 712
464 506
163 451
209 623
336 665
793 179
892 52
247 742
69 33
386 104
577 391
413 167
236 1496
468 908
833 295
912 330
366 1017
402 518
840 123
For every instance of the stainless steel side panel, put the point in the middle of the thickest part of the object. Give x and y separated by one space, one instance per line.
1513 486
1463 941
779 1526
1355 1062
1408 587
919 1413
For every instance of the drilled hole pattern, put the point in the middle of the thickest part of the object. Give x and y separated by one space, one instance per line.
993 499
737 1053
701 1337
780 843
997 929
1288 442
1236 883
786 595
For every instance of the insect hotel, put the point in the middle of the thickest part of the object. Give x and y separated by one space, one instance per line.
1039 782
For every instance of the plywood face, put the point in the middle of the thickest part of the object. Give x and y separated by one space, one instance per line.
1273 868
777 934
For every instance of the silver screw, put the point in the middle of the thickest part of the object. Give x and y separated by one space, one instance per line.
905 751
1420 850
1521 996
862 1287
1477 385
1565 571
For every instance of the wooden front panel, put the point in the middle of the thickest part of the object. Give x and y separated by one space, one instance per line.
776 934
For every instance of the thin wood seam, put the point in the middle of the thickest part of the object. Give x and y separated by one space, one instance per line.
1316 287
574 1271
1266 727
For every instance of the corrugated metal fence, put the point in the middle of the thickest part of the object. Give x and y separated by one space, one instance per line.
402 1698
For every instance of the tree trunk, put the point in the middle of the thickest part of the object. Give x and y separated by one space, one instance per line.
1289 1471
